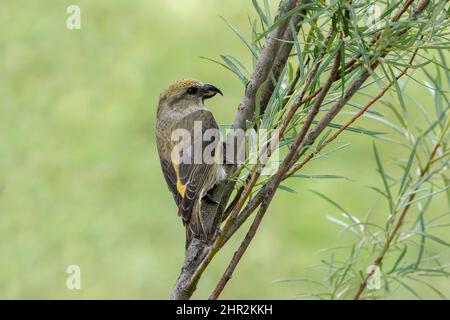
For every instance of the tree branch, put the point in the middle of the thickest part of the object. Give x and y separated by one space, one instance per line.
198 254
274 183
269 67
398 224
300 144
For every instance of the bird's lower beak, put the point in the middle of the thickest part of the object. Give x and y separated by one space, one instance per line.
210 91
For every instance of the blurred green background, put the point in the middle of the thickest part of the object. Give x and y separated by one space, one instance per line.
79 173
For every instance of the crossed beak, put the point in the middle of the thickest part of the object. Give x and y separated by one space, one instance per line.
210 91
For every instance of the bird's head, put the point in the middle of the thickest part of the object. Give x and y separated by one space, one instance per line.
187 92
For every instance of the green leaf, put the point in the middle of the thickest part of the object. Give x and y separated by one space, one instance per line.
378 191
383 121
383 177
426 196
287 189
436 239
301 280
407 169
422 238
282 19
323 154
360 107
249 46
258 103
407 287
229 66
399 259
324 137
319 176
353 129
235 69
256 44
342 72
444 63
240 64
262 15
401 118
274 104
298 49
343 224
398 90
440 294
447 182
329 200
267 10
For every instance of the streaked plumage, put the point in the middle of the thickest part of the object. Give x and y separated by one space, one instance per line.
179 106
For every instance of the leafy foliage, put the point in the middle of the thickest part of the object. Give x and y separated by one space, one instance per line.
416 251
339 51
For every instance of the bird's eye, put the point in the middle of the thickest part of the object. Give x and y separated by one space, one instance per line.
192 90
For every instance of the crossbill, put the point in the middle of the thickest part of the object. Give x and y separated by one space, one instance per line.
184 139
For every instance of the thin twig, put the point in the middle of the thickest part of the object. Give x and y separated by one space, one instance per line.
300 143
345 126
257 199
274 183
402 216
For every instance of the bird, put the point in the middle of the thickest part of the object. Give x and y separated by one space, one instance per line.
181 114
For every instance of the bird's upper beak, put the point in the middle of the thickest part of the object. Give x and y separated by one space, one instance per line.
210 91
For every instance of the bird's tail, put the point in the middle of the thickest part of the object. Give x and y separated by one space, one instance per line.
194 226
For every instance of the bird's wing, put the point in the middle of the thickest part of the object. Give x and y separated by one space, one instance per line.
192 177
171 178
